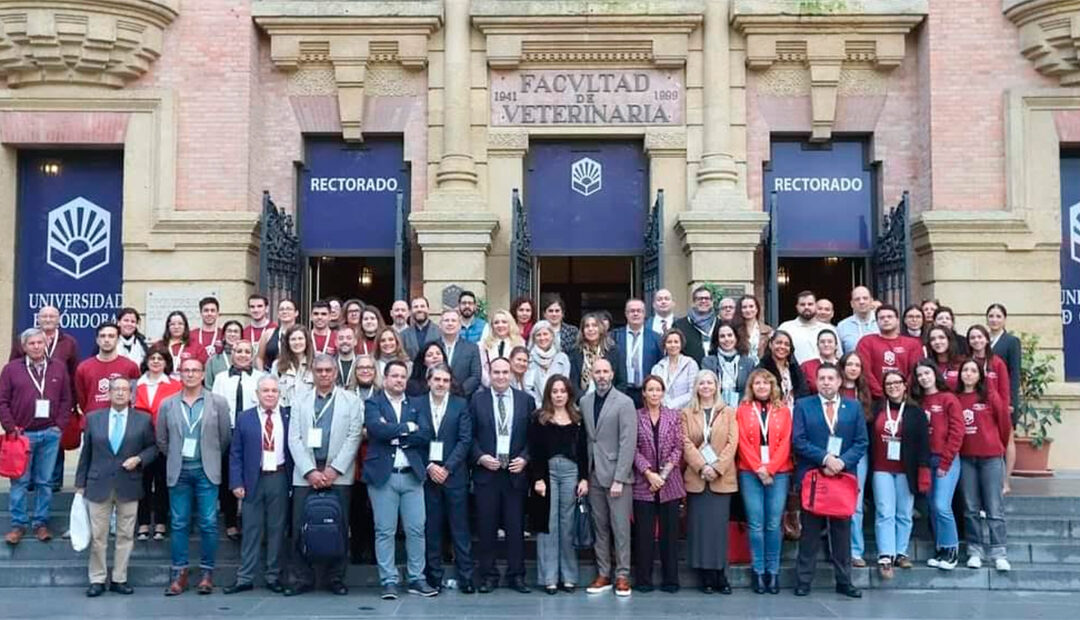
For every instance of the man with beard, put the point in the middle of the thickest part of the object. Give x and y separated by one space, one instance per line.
259 313
472 326
698 325
422 330
805 328
399 315
346 355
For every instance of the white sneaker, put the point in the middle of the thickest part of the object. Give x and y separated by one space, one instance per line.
934 561
974 561
1002 565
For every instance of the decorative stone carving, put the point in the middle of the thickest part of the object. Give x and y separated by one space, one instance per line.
1049 36
362 51
665 142
508 142
100 42
782 34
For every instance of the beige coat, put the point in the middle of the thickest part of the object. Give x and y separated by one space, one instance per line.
724 438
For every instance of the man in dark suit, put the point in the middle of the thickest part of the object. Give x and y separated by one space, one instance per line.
117 443
640 348
698 325
446 490
828 432
394 470
462 356
259 467
500 453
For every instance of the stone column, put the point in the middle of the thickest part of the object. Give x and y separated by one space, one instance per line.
720 231
455 227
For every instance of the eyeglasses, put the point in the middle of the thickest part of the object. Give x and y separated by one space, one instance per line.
322 371
191 371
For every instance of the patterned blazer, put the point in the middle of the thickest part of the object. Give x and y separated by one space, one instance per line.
647 457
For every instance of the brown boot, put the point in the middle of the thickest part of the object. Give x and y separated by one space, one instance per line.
179 583
206 583
15 535
42 533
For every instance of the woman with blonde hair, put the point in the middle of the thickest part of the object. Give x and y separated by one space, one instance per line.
500 337
764 422
390 348
710 438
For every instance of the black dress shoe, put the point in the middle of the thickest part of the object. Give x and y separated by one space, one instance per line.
121 587
275 587
517 584
338 588
487 586
238 587
707 588
643 587
772 583
297 590
722 585
802 590
552 590
757 583
467 588
95 590
849 591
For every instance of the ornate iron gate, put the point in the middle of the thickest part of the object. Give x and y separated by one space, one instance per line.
521 260
402 250
892 256
771 260
279 255
652 261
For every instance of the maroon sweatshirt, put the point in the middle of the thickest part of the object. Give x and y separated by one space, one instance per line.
18 397
946 426
879 354
987 425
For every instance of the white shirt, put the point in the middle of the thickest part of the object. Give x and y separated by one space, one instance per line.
438 411
151 384
804 338
225 386
508 402
449 347
836 409
656 323
634 349
279 433
400 460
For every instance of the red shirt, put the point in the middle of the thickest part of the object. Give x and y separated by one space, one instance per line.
879 354
254 334
212 341
987 425
997 380
879 441
946 426
326 343
181 352
92 381
950 373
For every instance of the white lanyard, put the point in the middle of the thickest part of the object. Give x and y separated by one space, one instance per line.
213 339
187 416
994 340
360 392
52 348
836 415
44 367
449 352
176 356
255 339
892 426
764 424
707 420
437 412
326 343
326 405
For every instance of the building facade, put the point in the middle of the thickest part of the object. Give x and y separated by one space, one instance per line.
520 146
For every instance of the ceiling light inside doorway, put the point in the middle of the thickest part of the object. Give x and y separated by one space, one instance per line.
367 275
782 277
51 167
832 260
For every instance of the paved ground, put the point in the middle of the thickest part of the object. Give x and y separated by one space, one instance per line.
62 603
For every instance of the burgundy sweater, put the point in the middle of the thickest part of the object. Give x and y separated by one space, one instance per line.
18 397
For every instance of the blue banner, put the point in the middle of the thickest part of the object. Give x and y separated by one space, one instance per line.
349 196
1070 263
69 254
587 198
825 198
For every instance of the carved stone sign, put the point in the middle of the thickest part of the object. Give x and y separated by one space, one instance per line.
587 97
161 301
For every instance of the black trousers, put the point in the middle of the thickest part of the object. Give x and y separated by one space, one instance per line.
447 510
839 544
361 524
229 504
646 514
154 506
498 502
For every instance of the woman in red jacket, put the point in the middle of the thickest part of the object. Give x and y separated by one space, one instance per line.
946 435
997 373
987 429
764 462
941 348
153 387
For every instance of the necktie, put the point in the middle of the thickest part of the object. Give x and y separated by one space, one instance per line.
830 413
268 436
634 359
502 413
663 325
116 437
502 348
239 395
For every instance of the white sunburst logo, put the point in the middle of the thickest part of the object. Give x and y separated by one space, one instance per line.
78 238
586 176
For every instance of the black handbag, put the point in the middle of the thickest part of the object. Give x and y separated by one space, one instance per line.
584 535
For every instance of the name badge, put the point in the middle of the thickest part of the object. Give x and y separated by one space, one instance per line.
892 449
314 438
764 455
835 443
708 454
41 408
269 460
188 451
435 451
502 445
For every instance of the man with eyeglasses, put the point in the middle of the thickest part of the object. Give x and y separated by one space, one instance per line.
193 434
698 325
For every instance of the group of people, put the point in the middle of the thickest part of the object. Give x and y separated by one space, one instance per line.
314 441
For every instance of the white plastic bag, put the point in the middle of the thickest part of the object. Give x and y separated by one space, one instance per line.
79 524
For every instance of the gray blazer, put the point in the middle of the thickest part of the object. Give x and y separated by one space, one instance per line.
412 343
214 435
612 439
100 472
465 366
344 440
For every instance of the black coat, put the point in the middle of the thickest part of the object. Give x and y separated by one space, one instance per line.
539 507
799 387
914 442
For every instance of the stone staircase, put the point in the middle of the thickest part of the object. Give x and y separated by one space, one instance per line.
1043 526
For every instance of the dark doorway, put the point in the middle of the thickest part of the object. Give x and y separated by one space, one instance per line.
370 280
590 283
830 277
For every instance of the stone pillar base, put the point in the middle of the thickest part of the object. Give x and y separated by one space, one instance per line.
454 233
721 246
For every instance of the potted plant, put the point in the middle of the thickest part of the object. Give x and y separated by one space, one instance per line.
1036 417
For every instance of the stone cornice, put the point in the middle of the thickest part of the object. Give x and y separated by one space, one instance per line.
1049 36
824 41
98 42
349 44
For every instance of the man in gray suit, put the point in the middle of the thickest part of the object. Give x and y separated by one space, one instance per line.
611 424
193 432
324 436
117 443
462 356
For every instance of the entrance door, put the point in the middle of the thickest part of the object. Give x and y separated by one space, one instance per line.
369 279
590 283
831 278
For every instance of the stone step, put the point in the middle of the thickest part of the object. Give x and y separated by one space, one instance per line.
1042 506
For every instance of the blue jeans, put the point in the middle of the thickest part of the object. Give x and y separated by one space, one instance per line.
764 509
981 479
402 494
941 496
193 490
893 503
858 545
44 445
